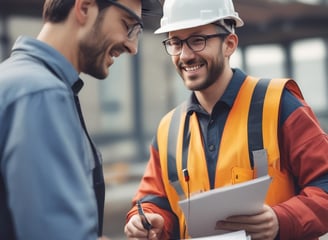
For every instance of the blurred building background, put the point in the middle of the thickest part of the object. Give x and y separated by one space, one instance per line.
281 38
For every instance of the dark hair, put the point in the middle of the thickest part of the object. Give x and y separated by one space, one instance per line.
58 10
227 25
230 22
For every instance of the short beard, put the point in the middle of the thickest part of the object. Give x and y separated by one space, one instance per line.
92 58
92 52
214 72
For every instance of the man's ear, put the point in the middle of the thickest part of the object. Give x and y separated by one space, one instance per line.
82 9
230 44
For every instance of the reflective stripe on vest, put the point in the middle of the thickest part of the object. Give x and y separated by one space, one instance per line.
252 124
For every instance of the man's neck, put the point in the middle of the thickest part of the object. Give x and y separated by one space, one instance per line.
211 95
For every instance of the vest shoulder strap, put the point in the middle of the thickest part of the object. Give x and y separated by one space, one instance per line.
179 117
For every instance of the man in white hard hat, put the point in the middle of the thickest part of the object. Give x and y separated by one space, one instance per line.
214 138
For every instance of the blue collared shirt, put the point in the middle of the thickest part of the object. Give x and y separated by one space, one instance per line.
46 162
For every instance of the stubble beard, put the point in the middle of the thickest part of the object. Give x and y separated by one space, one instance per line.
93 52
214 73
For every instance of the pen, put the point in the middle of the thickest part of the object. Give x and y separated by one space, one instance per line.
145 223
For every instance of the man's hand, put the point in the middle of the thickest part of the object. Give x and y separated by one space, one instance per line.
135 230
263 225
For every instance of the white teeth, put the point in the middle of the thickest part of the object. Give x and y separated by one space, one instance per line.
114 54
194 68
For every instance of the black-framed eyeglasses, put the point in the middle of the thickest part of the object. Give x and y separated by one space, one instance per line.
197 43
134 30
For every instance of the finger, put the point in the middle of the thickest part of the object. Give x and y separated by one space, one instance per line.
137 223
252 219
154 234
229 226
262 235
131 231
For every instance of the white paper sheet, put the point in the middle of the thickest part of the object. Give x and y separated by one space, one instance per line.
203 210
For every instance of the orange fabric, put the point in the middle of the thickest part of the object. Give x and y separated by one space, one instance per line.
270 128
302 143
162 139
233 163
305 214
233 159
149 186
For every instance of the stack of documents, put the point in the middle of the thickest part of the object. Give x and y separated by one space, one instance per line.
203 210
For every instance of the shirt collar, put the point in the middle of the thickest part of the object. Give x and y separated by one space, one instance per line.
77 86
50 57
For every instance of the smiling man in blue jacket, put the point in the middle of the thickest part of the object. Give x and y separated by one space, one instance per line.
51 181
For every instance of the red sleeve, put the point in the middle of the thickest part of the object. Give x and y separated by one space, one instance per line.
304 152
152 184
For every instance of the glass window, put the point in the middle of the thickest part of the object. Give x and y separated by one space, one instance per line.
116 97
309 71
265 61
236 59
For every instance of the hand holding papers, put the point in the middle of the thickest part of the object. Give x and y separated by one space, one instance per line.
203 210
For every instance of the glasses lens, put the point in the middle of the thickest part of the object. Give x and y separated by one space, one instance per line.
196 43
134 31
173 46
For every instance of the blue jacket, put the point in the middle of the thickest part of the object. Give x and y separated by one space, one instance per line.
46 159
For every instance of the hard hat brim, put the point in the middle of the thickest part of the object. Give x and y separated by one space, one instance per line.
194 23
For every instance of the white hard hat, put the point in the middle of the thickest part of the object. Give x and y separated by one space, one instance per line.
182 14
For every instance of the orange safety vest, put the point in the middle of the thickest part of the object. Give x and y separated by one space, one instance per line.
252 124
